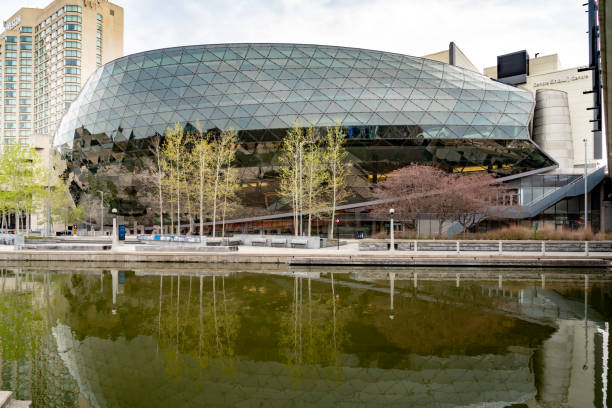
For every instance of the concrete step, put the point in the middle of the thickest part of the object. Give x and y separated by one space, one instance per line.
7 401
19 404
5 398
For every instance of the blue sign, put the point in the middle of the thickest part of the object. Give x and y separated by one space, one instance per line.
121 277
122 233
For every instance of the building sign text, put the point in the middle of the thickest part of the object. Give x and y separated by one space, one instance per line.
13 23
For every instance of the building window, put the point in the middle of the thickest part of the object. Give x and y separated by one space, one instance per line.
73 62
11 55
25 30
76 9
26 46
112 12
10 39
11 47
10 63
72 36
72 27
74 19
72 44
72 71
72 88
26 38
99 17
26 54
72 53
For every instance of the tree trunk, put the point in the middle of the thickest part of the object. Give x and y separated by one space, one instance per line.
178 200
333 213
161 200
171 215
201 194
224 207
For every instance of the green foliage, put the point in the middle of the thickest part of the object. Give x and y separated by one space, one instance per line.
313 172
22 179
336 158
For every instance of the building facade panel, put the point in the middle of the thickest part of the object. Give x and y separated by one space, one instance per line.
47 55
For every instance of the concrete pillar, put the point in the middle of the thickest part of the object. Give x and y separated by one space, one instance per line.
552 129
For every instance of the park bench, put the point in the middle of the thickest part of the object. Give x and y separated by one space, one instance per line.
258 242
278 242
299 243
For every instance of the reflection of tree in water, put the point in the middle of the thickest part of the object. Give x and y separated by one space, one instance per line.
29 361
199 320
313 331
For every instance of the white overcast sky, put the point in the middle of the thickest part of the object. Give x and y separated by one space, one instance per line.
483 29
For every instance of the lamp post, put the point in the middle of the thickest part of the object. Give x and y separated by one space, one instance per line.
101 211
391 231
586 197
115 235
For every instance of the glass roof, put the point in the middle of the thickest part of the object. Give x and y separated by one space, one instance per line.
274 86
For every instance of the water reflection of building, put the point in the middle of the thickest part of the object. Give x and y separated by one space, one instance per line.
107 364
106 371
571 367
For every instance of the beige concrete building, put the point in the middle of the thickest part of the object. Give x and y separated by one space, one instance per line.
545 74
453 56
46 56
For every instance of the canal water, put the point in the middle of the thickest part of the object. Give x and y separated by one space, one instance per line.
316 337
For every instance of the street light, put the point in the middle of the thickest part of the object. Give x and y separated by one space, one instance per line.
115 235
391 212
101 211
586 198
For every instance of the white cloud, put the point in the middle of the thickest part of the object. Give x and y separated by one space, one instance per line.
482 29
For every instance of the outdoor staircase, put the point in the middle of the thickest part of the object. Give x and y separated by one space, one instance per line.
8 401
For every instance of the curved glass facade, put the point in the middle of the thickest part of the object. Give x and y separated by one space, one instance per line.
395 109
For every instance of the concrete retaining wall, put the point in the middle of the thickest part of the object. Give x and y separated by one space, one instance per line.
489 246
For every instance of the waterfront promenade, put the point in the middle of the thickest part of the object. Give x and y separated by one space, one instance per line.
348 254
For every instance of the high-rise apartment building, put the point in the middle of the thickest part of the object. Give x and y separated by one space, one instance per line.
46 55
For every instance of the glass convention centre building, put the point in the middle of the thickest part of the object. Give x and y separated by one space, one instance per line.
395 110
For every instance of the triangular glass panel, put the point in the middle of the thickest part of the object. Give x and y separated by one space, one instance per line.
454 119
422 103
413 118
